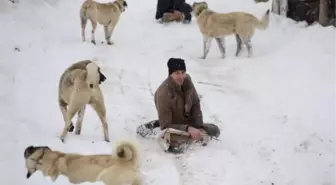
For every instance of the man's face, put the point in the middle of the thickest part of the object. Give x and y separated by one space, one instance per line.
178 76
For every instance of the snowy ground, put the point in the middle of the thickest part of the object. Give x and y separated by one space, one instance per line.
276 110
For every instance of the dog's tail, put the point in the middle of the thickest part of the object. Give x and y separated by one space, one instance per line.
82 12
128 151
264 22
93 74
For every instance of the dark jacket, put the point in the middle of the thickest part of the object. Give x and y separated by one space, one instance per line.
170 101
164 6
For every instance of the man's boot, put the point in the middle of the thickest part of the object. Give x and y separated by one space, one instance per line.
175 16
147 129
211 129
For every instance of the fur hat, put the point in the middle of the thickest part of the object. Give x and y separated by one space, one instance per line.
175 64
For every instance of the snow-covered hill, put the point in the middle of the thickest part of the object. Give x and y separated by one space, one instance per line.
276 110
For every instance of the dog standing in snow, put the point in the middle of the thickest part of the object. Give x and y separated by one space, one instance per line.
113 169
219 25
106 14
79 86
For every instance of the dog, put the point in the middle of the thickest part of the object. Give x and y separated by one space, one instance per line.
219 25
79 86
120 167
106 14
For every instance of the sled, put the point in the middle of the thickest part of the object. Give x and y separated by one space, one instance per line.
177 141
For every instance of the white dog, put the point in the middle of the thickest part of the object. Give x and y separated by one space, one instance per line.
79 86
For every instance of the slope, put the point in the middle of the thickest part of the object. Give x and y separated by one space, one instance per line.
276 110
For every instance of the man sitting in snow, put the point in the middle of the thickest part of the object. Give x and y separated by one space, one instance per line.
178 106
173 10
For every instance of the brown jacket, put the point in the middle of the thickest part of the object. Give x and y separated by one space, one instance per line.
172 101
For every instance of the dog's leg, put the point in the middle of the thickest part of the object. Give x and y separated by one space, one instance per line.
137 180
94 26
221 46
247 42
63 107
105 32
111 176
74 106
83 24
239 44
108 36
206 46
80 118
98 105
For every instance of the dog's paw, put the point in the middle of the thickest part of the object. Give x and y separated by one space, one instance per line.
249 53
62 139
93 42
71 128
202 57
78 131
110 43
107 140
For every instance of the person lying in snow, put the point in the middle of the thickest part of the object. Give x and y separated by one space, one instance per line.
178 107
173 10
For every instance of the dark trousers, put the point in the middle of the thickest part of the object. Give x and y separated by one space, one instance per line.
166 6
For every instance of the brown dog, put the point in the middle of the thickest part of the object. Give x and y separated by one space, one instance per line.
106 14
120 167
219 25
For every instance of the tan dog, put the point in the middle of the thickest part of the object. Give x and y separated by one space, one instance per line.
218 25
120 167
79 86
106 14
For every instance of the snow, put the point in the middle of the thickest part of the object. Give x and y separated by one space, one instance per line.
276 110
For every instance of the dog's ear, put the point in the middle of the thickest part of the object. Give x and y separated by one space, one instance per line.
102 77
32 149
125 4
29 150
205 4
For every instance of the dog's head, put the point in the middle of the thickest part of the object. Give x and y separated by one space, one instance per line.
122 4
33 158
94 75
198 7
